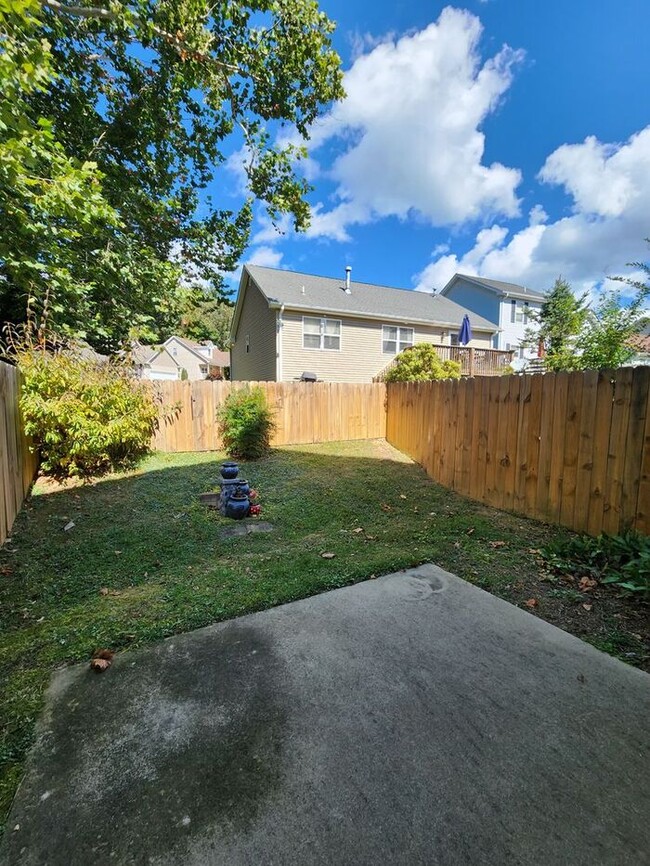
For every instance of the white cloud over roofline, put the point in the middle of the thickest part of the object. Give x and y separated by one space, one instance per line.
609 187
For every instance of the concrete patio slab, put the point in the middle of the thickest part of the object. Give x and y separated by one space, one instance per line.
412 719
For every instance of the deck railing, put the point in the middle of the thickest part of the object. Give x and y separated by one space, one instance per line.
473 361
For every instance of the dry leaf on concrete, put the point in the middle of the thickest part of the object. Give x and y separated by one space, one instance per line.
101 660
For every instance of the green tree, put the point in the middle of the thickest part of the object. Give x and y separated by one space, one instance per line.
605 340
559 320
205 318
134 108
421 363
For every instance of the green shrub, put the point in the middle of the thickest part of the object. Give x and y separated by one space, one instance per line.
246 423
86 419
621 560
421 363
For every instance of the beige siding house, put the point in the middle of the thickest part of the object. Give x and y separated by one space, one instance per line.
286 324
178 358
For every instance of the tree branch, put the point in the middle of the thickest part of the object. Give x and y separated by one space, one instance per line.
177 41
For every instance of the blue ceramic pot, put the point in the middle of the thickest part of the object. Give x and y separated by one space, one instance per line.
243 487
229 469
237 506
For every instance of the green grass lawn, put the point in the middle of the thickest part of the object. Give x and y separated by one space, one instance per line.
145 560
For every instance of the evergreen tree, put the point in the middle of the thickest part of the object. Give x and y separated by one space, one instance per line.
560 320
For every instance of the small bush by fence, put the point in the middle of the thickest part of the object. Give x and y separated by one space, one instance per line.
303 412
18 464
569 448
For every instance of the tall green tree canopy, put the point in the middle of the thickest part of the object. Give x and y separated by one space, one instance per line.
578 336
206 319
129 111
560 319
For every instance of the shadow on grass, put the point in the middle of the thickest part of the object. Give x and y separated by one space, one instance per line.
145 560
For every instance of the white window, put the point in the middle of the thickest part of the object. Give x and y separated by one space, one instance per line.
394 339
321 333
519 312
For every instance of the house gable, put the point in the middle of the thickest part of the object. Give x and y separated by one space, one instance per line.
475 297
254 351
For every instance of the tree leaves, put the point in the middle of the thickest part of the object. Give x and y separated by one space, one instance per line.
106 151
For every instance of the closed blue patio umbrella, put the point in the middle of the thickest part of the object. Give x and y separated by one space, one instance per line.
465 333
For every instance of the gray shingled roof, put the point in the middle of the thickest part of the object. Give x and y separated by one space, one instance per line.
506 288
141 354
326 294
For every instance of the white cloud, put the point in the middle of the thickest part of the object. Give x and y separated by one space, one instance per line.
609 185
410 130
265 256
270 232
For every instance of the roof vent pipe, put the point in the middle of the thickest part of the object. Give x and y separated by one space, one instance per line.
348 271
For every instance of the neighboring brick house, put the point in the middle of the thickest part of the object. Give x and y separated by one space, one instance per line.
178 358
506 305
288 323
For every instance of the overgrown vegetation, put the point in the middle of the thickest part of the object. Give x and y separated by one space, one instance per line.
421 363
85 418
621 560
114 125
246 423
577 336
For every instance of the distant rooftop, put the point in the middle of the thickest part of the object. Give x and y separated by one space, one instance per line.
512 289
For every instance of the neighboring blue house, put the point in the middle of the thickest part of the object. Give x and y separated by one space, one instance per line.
508 305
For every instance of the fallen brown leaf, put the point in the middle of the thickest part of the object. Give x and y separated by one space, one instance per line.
587 607
104 591
586 583
401 496
470 530
101 660
328 555
457 544
385 507
534 551
497 543
358 529
532 602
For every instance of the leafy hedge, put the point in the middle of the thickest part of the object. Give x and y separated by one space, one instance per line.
421 363
85 418
246 423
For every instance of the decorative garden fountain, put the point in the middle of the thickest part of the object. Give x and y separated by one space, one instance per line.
236 494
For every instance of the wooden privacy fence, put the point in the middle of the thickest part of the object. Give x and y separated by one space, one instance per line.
569 448
18 464
304 412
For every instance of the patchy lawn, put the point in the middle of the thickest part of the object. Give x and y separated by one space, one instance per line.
145 560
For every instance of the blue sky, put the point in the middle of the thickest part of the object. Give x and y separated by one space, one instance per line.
507 138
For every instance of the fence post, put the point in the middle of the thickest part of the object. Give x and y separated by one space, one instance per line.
471 361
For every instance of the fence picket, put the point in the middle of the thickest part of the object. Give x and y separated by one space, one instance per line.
568 448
